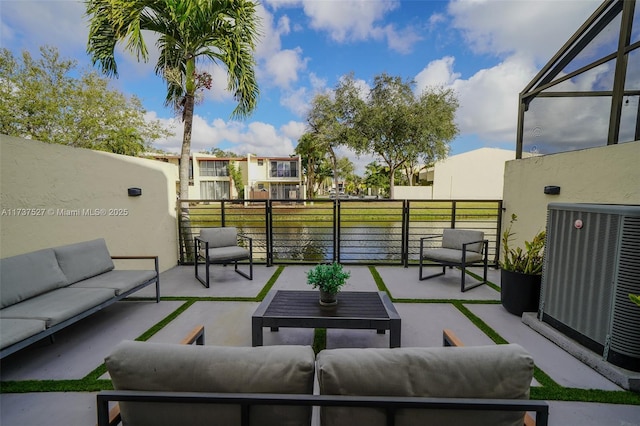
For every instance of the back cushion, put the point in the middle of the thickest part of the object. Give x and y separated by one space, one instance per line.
27 275
454 238
503 371
84 260
183 368
220 237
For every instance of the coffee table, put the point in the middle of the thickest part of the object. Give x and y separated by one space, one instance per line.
300 309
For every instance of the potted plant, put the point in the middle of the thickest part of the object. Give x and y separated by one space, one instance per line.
521 272
329 278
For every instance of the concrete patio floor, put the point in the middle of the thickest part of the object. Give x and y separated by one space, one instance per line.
80 349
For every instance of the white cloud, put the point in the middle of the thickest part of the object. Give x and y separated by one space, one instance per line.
283 67
256 137
504 27
437 73
488 99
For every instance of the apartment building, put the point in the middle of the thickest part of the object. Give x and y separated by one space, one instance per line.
263 177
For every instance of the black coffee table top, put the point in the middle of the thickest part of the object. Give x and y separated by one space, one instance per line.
351 304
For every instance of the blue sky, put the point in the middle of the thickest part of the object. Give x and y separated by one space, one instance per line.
485 50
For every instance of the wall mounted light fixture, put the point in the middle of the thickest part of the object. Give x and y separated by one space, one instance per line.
134 192
552 190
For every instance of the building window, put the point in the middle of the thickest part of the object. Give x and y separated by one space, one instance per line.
214 190
261 162
284 169
284 191
214 168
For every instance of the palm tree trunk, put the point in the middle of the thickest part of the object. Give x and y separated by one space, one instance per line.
185 156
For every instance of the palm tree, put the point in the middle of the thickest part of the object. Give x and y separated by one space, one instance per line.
220 31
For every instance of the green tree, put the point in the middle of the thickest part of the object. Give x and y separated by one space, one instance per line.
395 124
41 100
311 157
219 31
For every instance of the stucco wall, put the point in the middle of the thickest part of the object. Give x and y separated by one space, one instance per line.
413 192
77 194
473 175
604 175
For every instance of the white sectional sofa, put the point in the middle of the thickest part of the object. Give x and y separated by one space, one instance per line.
44 291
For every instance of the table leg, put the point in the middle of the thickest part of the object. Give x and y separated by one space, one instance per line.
395 333
256 331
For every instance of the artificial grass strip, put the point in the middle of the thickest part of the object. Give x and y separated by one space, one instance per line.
319 340
380 282
260 297
29 386
479 278
163 323
560 393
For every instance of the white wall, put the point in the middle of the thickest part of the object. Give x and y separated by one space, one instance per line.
473 175
48 192
413 192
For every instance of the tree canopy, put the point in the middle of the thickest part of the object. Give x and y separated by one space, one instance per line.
396 125
43 100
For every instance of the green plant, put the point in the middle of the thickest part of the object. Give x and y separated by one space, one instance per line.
635 298
327 277
527 261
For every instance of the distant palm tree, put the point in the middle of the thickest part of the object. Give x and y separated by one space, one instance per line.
221 31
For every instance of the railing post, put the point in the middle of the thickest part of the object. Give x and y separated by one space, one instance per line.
406 209
222 215
498 230
336 229
453 214
268 211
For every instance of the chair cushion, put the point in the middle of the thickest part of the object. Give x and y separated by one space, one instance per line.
226 253
220 237
58 305
455 238
503 371
450 255
183 368
28 275
14 330
120 281
84 260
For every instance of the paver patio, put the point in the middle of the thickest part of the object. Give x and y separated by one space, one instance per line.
225 309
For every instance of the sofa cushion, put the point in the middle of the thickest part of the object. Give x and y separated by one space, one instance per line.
184 368
84 260
28 275
13 330
58 305
119 281
220 237
503 371
455 238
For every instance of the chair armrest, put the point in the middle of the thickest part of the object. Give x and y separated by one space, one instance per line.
485 245
154 258
429 237
195 336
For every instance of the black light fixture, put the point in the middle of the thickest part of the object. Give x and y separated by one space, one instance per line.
552 190
134 192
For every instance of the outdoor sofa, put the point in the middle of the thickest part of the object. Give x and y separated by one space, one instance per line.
166 384
46 290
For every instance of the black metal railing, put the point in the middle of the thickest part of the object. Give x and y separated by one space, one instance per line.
350 231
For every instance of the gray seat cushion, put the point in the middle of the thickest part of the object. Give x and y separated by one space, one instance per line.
183 368
28 275
13 330
450 255
503 371
58 305
120 281
84 260
220 254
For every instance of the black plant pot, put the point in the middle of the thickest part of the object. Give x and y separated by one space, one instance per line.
519 292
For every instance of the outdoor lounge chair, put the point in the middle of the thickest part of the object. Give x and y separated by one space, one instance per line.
220 246
460 247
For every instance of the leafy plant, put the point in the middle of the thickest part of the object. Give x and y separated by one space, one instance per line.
527 261
327 277
635 298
